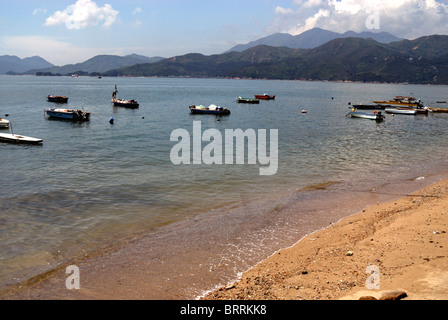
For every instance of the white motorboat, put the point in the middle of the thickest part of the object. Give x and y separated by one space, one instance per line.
407 111
378 116
4 123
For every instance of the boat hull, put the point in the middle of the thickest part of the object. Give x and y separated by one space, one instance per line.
15 138
247 100
369 116
66 114
368 106
4 124
219 112
264 97
125 103
401 111
57 99
439 110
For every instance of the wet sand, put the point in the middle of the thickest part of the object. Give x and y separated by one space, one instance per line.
406 240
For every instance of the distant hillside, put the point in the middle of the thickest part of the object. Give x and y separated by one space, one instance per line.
99 64
17 65
423 60
199 65
313 38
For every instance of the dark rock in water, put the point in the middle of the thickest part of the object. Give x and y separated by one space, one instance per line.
393 295
367 298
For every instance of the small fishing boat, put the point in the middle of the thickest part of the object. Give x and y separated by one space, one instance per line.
212 109
68 114
406 111
247 100
376 115
264 96
438 110
4 124
57 99
17 138
401 101
14 138
368 106
123 103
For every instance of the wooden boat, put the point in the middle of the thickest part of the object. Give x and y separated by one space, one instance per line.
264 96
212 109
123 103
57 99
247 100
438 110
4 124
68 114
407 111
376 115
401 101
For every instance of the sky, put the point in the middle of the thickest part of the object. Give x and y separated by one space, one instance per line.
72 31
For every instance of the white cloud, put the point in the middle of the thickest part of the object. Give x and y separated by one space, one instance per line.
82 14
39 10
405 18
137 10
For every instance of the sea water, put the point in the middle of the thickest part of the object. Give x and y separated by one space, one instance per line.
94 183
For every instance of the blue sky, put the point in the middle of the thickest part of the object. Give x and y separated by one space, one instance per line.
72 31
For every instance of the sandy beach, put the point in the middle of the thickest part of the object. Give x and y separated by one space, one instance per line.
400 246
404 243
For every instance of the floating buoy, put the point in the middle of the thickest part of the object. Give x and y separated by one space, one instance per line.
303 111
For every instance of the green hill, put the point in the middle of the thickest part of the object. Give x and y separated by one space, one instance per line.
423 60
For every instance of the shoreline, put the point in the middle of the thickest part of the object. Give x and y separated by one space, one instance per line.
125 272
405 240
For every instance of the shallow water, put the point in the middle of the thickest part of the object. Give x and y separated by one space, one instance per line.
94 183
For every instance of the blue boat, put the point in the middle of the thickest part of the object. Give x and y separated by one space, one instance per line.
68 114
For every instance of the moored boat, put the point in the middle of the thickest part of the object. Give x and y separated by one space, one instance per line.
264 96
438 110
15 138
376 115
368 106
57 99
4 124
68 114
18 138
407 111
401 101
247 100
212 109
122 102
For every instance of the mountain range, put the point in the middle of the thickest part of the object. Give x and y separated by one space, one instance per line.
15 64
98 64
313 38
351 56
423 60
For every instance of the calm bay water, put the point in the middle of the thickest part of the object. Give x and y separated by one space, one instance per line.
93 183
